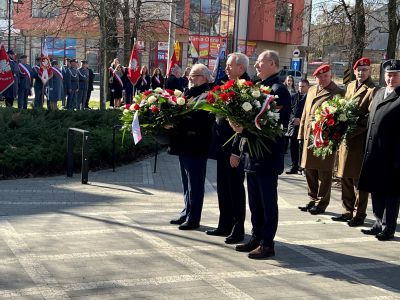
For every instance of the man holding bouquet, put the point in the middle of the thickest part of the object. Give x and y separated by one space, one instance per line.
351 150
380 171
262 172
230 174
318 170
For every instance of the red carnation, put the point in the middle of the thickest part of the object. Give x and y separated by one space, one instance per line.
331 122
224 97
216 88
210 98
127 106
231 94
148 92
154 109
171 92
173 98
136 106
336 136
229 84
249 83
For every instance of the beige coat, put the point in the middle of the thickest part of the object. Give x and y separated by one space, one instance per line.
351 151
313 101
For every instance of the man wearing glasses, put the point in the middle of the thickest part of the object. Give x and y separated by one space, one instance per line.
351 151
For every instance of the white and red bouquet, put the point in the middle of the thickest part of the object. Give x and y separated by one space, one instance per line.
156 109
332 122
248 105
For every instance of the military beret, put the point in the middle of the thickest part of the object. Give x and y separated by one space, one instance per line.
392 65
322 69
363 61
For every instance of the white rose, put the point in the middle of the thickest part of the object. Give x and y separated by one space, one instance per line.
151 99
241 82
256 93
177 93
132 107
247 106
158 90
342 117
257 104
342 101
180 101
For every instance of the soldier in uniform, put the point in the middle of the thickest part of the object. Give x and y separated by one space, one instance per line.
350 154
318 171
380 171
38 85
25 82
83 74
55 86
67 80
12 92
72 85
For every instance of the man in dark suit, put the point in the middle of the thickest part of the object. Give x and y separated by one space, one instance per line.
90 87
380 171
297 102
262 173
230 173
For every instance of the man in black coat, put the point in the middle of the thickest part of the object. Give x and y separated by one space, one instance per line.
297 102
190 140
90 87
230 173
173 81
380 171
262 173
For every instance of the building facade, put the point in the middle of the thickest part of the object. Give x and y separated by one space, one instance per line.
248 26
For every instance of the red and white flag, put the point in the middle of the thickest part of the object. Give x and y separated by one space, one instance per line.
173 62
45 71
6 74
134 66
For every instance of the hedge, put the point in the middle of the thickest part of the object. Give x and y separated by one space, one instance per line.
34 142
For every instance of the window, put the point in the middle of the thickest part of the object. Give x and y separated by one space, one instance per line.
283 19
3 9
45 9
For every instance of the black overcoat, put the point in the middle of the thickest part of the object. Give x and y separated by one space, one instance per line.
380 171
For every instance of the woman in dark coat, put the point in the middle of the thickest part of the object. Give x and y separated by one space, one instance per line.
117 85
157 80
143 83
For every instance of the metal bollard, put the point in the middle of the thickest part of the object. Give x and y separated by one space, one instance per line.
85 153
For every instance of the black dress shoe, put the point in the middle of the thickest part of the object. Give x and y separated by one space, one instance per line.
234 239
385 235
217 232
249 246
372 231
189 226
178 221
306 207
262 252
356 221
315 210
292 171
341 218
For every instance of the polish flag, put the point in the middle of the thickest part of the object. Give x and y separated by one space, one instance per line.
134 66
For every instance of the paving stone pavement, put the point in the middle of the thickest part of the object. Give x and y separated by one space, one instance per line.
112 239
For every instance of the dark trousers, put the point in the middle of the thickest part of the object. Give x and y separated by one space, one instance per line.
39 97
193 173
263 202
386 211
9 101
89 93
23 98
231 197
294 151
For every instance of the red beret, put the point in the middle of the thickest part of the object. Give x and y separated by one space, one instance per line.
363 61
322 69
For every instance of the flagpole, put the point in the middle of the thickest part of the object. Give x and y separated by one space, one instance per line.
172 31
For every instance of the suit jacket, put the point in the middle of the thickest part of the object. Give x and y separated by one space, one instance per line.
380 171
351 151
313 101
297 103
25 83
55 87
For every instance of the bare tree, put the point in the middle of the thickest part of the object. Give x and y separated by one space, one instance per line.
394 27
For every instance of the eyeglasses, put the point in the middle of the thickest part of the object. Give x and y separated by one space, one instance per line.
263 60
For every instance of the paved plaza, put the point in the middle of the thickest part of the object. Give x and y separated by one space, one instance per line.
111 239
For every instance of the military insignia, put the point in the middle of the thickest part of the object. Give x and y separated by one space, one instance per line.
133 65
4 66
393 64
